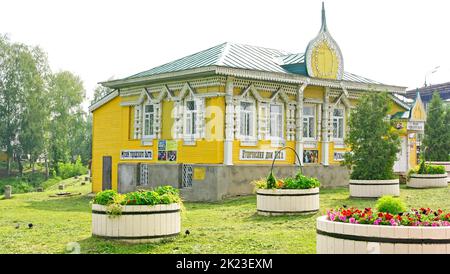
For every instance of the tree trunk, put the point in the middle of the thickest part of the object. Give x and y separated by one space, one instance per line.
19 163
8 166
46 168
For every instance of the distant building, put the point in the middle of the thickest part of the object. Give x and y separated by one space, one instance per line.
426 92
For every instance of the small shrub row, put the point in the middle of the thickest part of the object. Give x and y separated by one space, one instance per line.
68 170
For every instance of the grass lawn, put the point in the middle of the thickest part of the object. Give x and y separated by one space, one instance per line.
226 227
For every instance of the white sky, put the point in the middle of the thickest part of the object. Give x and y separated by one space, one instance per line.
394 42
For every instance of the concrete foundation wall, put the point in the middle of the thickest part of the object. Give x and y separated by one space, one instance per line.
217 182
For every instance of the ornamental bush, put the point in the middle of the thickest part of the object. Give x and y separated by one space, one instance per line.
159 195
389 204
373 142
300 181
437 130
424 168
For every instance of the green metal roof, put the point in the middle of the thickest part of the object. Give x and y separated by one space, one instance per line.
243 57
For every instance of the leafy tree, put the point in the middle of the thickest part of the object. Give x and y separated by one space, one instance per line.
35 116
66 95
17 77
373 143
437 131
100 91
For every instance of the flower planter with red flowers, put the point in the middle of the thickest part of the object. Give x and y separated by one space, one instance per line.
354 231
374 188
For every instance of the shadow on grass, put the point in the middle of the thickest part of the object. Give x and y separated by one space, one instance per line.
71 204
99 245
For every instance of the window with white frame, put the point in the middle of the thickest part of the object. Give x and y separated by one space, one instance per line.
149 121
190 126
309 121
247 114
276 121
338 123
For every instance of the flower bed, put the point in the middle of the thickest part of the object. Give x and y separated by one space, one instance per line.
427 176
298 195
350 230
374 188
137 216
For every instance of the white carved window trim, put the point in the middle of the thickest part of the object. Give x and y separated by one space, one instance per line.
151 118
250 139
196 118
308 120
341 122
280 137
137 122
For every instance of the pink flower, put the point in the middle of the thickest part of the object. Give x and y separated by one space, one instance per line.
377 221
352 220
342 218
393 223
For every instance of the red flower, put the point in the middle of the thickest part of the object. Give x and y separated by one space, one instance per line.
388 216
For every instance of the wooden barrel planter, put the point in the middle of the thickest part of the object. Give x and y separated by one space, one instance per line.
446 166
272 202
345 238
287 201
137 223
427 180
374 188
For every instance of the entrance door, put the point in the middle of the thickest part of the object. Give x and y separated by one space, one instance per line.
401 165
107 172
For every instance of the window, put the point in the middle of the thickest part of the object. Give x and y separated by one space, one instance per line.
191 117
149 121
309 121
338 123
246 119
276 121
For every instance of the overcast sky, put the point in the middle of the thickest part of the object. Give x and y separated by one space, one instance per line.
394 42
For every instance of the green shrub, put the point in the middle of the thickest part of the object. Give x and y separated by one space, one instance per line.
435 169
68 170
105 197
160 195
300 181
372 139
424 168
389 204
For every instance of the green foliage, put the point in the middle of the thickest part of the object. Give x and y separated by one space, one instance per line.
68 170
373 143
271 181
300 181
105 197
389 204
158 196
425 168
437 130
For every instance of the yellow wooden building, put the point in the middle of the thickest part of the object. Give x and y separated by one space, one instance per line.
210 122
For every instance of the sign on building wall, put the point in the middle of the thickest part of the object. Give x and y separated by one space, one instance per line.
167 150
136 155
310 156
416 125
251 155
339 156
